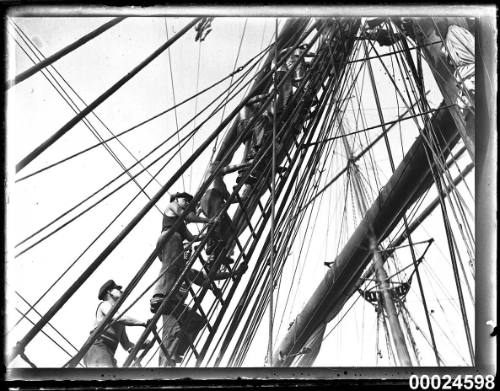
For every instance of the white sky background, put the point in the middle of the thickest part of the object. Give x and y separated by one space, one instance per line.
35 111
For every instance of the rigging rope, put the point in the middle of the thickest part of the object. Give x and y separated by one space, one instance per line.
49 324
127 229
285 234
173 97
231 81
269 147
34 48
79 257
69 125
437 180
47 335
145 121
64 94
214 148
103 255
196 105
405 221
114 179
380 125
416 352
61 53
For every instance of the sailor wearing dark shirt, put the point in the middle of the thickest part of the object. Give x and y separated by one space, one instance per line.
171 252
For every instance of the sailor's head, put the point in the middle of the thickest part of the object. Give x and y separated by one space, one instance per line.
181 198
110 289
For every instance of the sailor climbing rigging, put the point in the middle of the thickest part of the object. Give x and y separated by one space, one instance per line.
180 322
261 127
302 91
171 252
102 351
211 204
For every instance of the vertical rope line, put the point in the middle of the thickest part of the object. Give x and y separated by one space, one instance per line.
405 221
196 106
214 148
439 172
173 97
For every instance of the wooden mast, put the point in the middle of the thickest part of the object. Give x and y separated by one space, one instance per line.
378 263
425 35
412 177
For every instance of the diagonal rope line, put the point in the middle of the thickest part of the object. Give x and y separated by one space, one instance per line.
100 99
234 67
145 121
234 95
283 248
48 336
49 324
149 153
240 184
65 96
61 53
230 82
34 47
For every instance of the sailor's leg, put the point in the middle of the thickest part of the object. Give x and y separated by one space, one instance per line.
170 260
284 91
247 155
191 323
170 339
171 257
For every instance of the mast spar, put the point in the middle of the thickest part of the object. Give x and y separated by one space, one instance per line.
385 295
439 60
326 302
411 178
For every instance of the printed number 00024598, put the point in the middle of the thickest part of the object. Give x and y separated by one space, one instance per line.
446 382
